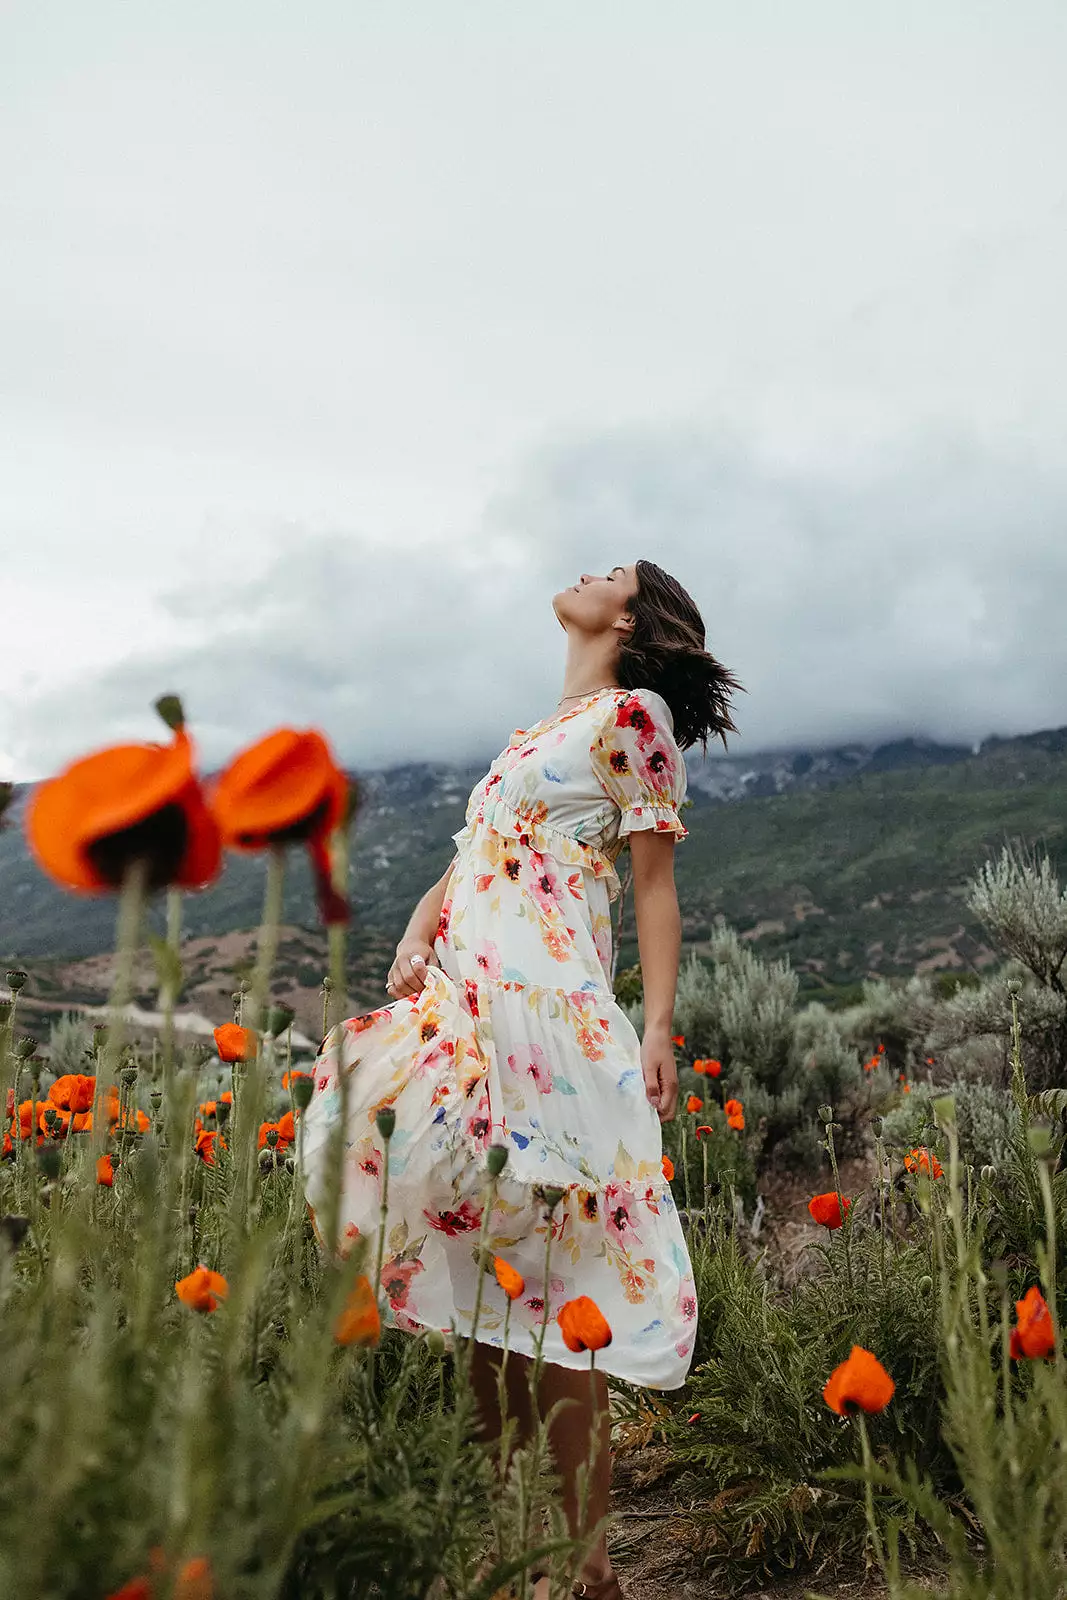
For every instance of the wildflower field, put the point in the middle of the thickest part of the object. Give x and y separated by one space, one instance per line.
200 1400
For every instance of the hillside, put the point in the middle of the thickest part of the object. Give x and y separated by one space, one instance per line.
849 861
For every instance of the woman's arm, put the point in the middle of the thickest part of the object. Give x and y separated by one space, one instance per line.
417 940
659 939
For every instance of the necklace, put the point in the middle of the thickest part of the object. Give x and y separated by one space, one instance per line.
561 699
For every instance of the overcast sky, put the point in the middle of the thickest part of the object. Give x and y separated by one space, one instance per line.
335 338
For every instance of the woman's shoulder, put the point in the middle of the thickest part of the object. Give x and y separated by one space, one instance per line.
619 707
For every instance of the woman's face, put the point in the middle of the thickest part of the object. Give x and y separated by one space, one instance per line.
595 603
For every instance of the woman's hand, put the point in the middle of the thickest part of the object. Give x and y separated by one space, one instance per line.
659 1071
407 975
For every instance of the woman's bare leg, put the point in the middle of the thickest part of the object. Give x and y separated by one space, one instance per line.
572 1433
485 1381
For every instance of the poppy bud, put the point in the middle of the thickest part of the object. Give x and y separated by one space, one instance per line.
552 1194
51 1117
156 1099
1040 1140
826 1114
100 1038
24 1047
266 1157
279 1018
434 1340
16 979
272 1137
496 1158
128 1076
1013 986
302 1089
925 1282
170 709
49 1160
944 1110
988 1173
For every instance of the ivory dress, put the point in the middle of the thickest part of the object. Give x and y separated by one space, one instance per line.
517 1040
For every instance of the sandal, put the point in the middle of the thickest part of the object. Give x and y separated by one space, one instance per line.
601 1589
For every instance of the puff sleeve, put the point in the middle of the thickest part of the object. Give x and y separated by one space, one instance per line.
639 766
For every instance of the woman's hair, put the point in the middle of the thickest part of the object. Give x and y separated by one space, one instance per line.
665 652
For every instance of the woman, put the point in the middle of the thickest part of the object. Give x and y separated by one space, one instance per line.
504 1030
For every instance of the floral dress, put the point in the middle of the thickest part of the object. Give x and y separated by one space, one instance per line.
516 1039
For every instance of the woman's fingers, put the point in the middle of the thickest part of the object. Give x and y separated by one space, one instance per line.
407 976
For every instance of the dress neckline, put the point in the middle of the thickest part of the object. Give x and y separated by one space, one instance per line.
561 716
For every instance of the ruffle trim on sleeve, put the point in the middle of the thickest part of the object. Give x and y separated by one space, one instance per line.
661 819
493 812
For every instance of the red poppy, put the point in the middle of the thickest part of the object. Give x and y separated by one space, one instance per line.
860 1381
825 1209
704 1129
105 1172
668 1168
881 1049
202 1289
736 1122
205 1147
922 1160
234 1043
583 1325
513 1283
694 1103
1033 1335
733 1108
73 1092
713 1068
678 1039
127 803
285 789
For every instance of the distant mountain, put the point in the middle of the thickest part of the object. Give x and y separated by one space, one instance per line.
849 859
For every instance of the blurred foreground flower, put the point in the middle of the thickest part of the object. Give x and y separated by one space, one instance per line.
360 1321
668 1168
286 789
105 1172
202 1290
131 802
1033 1335
583 1325
193 1581
860 1381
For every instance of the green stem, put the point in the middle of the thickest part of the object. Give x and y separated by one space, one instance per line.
170 996
846 1218
685 1173
868 1491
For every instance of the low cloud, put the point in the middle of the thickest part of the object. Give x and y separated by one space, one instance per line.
918 592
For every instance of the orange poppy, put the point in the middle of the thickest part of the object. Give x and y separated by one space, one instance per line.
284 789
583 1325
234 1043
130 802
285 1128
694 1103
360 1322
194 1581
105 1172
881 1049
860 1381
136 1589
205 1147
291 1079
202 1289
826 1210
678 1039
668 1168
713 1068
921 1160
1033 1335
737 1123
513 1283
704 1129
733 1108
74 1091
31 1117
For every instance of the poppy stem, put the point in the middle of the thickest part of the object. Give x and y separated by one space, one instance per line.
868 1490
846 1230
267 944
539 1350
127 944
685 1175
488 1204
170 989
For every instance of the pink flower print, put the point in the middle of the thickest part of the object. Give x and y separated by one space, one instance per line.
471 993
396 1280
478 1128
453 1223
536 1068
688 1307
369 1165
617 1212
487 956
545 885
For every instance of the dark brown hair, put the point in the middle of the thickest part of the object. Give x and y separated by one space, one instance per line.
665 652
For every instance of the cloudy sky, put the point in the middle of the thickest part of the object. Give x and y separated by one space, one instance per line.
335 338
